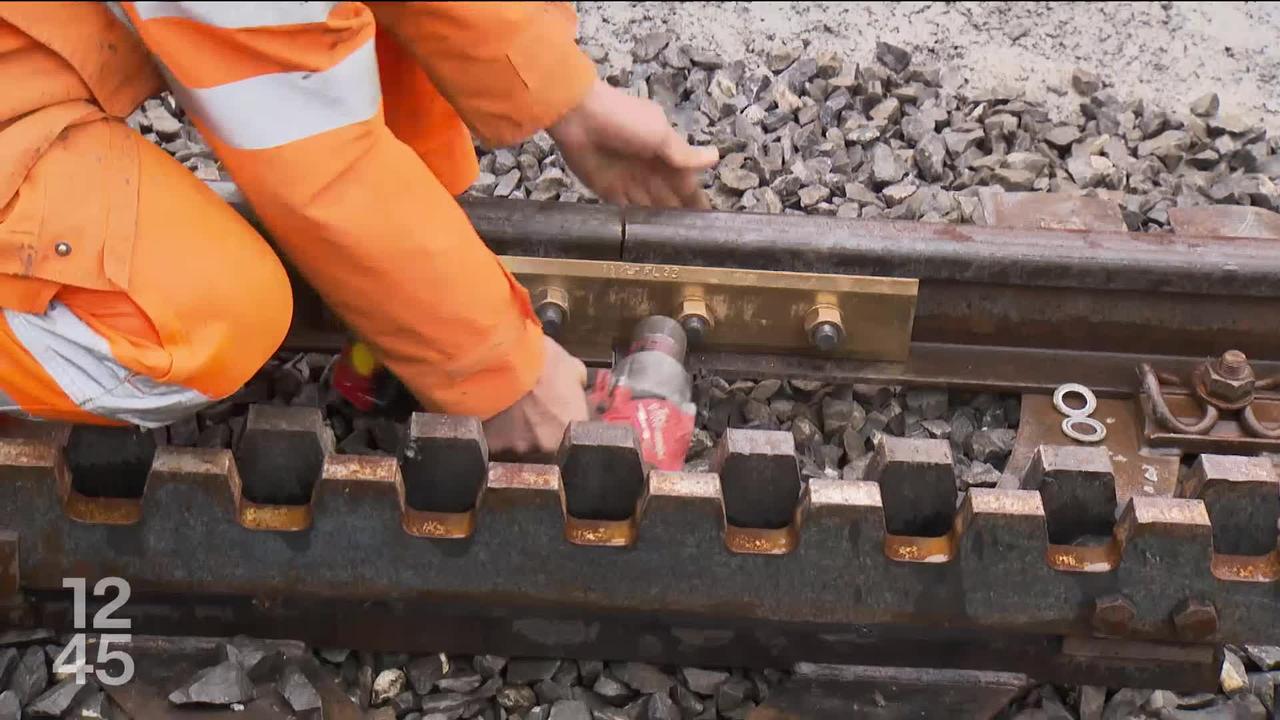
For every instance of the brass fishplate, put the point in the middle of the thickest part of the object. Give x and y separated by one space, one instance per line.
590 305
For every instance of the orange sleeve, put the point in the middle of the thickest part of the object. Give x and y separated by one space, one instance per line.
508 68
287 94
422 119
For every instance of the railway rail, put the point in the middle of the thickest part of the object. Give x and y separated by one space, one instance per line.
1132 559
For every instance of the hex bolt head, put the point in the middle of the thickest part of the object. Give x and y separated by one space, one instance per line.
1195 619
1113 615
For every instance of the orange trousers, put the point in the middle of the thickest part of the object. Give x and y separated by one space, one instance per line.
208 303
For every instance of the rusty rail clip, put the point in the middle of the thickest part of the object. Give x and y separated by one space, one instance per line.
1221 385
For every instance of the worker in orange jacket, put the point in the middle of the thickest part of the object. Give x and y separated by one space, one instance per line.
130 293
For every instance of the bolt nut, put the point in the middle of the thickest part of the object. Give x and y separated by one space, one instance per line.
1231 387
1195 619
824 326
550 294
1113 615
695 318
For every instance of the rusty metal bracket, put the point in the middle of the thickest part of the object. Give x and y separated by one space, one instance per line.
594 304
1220 407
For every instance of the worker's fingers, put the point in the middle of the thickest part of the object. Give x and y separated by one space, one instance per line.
679 154
633 126
661 192
636 190
697 200
612 192
579 369
587 173
557 355
638 197
687 185
682 181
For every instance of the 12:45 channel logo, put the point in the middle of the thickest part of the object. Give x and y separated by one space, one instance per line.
74 660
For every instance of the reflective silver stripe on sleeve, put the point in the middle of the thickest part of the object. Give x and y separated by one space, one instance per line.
239 14
272 110
79 360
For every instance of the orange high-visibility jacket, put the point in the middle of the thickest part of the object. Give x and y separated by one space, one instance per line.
349 149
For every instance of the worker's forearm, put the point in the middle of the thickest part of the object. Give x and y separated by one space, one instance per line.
509 69
392 253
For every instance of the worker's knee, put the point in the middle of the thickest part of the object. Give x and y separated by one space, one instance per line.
254 311
258 317
205 272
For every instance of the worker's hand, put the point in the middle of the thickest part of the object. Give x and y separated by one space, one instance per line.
624 149
532 428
